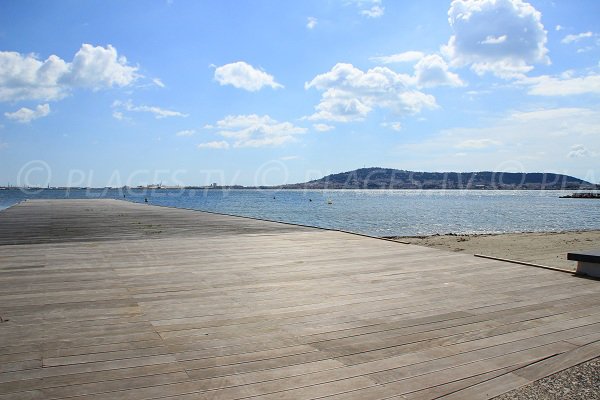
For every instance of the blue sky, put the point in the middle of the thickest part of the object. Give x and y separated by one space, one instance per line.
111 93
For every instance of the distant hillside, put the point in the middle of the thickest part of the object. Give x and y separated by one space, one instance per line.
385 178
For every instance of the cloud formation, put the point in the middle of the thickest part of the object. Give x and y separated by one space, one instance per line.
576 38
311 22
552 86
242 75
186 133
223 145
513 141
375 11
323 127
156 111
407 56
350 94
579 151
477 143
503 37
368 8
25 77
396 126
256 131
25 115
432 71
158 82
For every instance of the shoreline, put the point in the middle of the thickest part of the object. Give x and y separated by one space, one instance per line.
545 248
277 188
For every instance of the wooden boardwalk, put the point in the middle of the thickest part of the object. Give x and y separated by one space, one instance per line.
104 299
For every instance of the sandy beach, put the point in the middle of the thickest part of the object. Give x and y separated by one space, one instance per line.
545 248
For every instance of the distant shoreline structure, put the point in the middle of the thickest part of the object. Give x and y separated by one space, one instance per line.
582 196
238 187
388 179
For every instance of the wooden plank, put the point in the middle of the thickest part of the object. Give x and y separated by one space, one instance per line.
96 388
556 364
23 385
107 299
527 374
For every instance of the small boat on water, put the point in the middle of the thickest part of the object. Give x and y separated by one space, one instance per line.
329 201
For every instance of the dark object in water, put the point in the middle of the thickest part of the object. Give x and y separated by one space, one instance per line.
145 199
582 196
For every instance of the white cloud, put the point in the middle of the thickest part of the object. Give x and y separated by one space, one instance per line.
552 86
156 111
579 151
24 77
311 22
350 94
158 82
375 11
585 49
214 145
576 38
503 37
396 126
368 8
323 127
552 114
558 28
532 141
289 158
495 40
118 115
432 70
99 67
244 76
257 131
25 115
477 144
568 74
407 56
186 133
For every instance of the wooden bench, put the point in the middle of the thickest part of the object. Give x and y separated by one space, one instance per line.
588 262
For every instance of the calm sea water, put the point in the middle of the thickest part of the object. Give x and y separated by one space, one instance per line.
371 212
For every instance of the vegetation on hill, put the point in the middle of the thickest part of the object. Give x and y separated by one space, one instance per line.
386 178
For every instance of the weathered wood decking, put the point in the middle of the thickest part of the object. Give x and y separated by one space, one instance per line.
112 300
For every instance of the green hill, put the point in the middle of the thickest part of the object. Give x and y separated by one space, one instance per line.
386 178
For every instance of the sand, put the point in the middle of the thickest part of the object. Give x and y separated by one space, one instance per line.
547 248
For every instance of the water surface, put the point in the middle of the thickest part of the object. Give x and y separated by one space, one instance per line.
371 212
